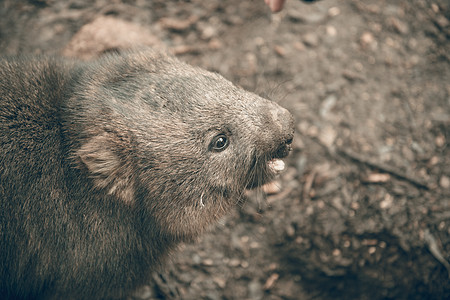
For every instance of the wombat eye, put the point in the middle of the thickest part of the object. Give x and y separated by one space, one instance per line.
219 143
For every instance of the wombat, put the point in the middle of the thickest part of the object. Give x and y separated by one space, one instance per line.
105 166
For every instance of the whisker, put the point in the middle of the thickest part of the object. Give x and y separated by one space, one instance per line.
202 205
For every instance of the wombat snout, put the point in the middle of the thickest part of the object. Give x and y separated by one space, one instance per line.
284 140
286 135
281 125
275 140
284 149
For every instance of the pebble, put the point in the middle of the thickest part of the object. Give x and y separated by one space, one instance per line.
301 164
290 230
366 39
352 76
442 21
398 26
215 44
184 49
176 24
311 39
308 18
234 262
327 105
440 140
331 30
220 282
196 259
435 7
312 131
408 153
336 252
271 281
334 11
444 182
280 50
255 289
272 188
327 136
378 177
373 8
208 32
387 202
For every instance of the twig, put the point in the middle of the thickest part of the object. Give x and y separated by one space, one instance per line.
383 167
434 249
308 185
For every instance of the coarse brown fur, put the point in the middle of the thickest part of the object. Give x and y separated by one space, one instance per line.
105 166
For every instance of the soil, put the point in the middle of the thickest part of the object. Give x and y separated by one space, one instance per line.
363 210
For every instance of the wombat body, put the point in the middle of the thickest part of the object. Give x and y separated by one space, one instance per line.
106 166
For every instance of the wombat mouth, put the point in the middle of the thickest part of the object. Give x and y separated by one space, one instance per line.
270 166
276 165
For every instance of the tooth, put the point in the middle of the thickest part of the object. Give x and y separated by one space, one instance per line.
277 165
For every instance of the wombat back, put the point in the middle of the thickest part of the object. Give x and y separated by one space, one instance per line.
105 166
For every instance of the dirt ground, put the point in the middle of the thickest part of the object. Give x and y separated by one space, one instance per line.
363 211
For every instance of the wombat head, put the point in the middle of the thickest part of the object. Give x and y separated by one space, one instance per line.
181 142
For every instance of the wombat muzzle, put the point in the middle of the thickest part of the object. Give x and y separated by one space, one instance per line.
284 149
266 167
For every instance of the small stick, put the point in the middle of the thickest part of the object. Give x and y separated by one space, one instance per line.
384 167
308 185
434 249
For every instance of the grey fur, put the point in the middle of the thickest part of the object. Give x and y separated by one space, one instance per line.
106 166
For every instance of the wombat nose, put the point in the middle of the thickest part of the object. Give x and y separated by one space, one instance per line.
284 149
284 119
283 141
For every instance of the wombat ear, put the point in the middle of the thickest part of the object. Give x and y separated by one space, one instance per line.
105 167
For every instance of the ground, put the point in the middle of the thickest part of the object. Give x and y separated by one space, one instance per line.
363 210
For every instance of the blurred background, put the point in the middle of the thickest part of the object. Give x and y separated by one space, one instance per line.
363 210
